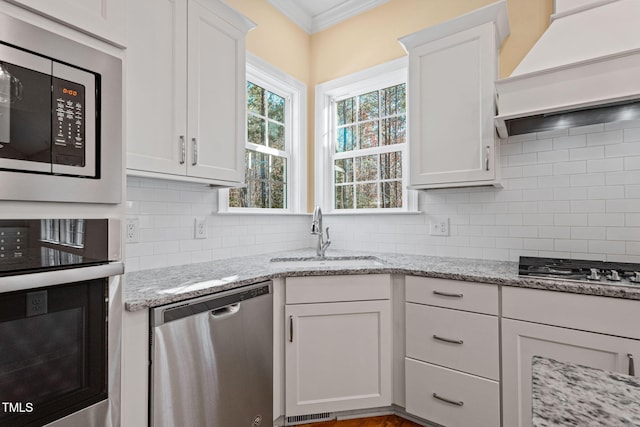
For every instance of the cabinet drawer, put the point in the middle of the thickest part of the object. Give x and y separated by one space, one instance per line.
455 339
302 290
612 316
451 398
469 296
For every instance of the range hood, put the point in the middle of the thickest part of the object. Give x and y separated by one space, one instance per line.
588 57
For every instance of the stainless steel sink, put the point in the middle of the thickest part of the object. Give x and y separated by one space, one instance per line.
327 262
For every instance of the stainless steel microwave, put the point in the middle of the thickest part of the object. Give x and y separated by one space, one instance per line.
60 118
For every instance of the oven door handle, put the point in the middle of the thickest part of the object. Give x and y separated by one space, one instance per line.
58 277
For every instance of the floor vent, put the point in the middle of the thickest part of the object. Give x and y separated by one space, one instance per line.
302 419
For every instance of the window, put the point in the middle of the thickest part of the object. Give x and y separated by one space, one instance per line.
362 130
369 140
266 157
275 150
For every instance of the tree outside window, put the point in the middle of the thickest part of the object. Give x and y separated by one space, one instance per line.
369 144
266 156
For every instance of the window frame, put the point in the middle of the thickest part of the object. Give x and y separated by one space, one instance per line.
293 91
327 94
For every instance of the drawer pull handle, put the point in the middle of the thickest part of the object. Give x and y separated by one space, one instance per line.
447 294
452 341
290 328
451 401
632 368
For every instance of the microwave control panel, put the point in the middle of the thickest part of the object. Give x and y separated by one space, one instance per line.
68 124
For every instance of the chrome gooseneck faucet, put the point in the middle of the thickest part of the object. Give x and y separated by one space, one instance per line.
316 228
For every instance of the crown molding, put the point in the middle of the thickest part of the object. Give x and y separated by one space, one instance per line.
313 24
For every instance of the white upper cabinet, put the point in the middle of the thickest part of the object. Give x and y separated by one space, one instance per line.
186 91
104 19
452 70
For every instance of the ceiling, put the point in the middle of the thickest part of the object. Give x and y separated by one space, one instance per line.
316 15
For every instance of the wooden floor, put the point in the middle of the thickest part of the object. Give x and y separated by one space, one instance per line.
384 421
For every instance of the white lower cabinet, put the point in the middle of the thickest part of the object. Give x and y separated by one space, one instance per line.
451 398
452 367
338 355
523 339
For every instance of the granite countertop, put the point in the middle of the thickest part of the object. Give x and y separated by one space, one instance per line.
152 288
566 394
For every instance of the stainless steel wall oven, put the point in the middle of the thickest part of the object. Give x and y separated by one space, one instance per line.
60 118
59 294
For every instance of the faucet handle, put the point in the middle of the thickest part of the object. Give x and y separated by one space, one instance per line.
328 238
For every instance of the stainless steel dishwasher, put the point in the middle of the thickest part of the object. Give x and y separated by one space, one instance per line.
212 360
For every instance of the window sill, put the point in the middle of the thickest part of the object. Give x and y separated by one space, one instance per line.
353 213
258 212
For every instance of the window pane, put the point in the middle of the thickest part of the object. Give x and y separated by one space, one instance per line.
255 130
391 165
258 194
367 168
343 171
344 197
276 136
276 107
391 194
278 169
237 197
255 99
394 130
368 106
346 110
278 192
394 100
366 196
368 133
346 139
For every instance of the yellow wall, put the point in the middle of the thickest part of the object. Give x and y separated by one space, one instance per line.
370 39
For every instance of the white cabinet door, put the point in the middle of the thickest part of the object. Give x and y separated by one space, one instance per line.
101 18
451 108
156 86
217 96
523 340
186 95
338 356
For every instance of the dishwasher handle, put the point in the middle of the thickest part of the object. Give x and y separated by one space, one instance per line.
227 311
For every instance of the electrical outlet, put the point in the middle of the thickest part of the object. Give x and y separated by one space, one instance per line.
133 230
439 226
201 228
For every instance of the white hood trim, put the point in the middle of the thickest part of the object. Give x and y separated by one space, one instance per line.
588 56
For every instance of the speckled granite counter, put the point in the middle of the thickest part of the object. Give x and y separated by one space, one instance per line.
565 394
151 288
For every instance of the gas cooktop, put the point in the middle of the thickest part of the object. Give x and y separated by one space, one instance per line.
586 271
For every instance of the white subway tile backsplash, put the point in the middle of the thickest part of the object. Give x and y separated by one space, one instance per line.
581 130
553 156
563 245
606 219
536 146
558 133
587 179
568 193
587 153
605 138
573 141
632 134
570 168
